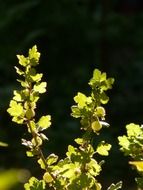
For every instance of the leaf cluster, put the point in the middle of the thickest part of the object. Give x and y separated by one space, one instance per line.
132 145
80 168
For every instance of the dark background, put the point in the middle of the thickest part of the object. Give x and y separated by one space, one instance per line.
74 37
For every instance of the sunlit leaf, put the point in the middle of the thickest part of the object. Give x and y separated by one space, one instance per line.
41 88
35 184
52 158
138 165
103 149
34 56
44 122
133 130
15 109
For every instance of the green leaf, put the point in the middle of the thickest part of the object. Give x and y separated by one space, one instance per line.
17 96
44 122
138 165
41 88
79 141
81 100
35 77
103 148
124 142
93 167
133 130
52 158
15 109
34 56
75 112
41 163
35 184
18 120
22 61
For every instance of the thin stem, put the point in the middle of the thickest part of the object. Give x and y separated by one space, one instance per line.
41 155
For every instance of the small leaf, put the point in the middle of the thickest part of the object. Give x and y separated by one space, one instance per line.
22 61
75 112
34 56
15 109
80 99
17 96
124 142
35 184
41 88
103 149
41 163
52 158
133 130
44 122
79 141
138 164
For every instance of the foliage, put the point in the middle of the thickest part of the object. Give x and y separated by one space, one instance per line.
77 52
80 168
132 145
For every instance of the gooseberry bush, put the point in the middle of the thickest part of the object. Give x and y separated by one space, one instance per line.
132 146
80 168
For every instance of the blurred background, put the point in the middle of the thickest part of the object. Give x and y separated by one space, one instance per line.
74 37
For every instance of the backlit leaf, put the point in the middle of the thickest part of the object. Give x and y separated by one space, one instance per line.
22 61
35 184
44 122
138 165
52 158
34 56
41 88
103 149
15 109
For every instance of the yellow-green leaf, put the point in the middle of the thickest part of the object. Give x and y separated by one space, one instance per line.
138 164
44 122
41 88
34 56
15 109
103 149
80 99
22 61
